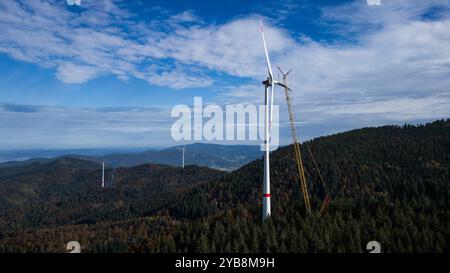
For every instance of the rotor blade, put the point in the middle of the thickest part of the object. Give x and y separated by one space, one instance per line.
282 85
265 50
281 71
288 72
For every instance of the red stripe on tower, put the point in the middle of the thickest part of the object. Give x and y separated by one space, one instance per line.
266 195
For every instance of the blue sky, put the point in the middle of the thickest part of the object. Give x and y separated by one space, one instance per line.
107 73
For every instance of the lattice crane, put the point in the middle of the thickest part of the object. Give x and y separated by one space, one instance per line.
298 156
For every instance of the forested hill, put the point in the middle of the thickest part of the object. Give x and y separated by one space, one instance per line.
69 191
390 184
399 163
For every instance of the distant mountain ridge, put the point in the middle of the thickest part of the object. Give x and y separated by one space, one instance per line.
222 157
28 154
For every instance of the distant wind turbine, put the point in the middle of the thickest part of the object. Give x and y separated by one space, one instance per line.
103 174
184 148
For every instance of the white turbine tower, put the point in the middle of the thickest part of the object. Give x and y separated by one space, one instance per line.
268 99
184 147
103 175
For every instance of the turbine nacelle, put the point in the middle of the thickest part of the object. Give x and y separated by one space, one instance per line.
270 82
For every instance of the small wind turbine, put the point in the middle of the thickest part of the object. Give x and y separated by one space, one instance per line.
269 82
103 174
182 154
184 147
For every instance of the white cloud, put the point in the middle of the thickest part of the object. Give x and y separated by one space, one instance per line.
179 80
187 16
103 38
396 109
234 48
71 73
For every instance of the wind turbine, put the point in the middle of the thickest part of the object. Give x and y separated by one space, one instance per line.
182 157
103 174
268 98
184 147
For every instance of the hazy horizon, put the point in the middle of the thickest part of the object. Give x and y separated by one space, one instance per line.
140 149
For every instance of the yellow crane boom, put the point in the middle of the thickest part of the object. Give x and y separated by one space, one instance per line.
298 156
297 151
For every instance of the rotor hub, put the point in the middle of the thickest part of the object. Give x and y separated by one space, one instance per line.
267 82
